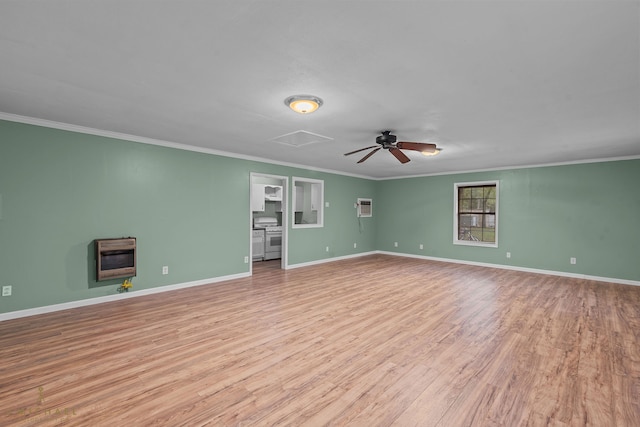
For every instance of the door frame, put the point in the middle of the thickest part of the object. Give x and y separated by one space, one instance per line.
284 180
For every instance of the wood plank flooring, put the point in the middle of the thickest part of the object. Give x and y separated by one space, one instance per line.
372 341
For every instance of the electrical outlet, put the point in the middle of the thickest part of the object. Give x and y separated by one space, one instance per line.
326 204
246 260
572 260
421 246
395 244
508 254
165 269
327 249
6 291
355 245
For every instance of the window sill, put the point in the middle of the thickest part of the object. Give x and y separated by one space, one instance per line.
472 243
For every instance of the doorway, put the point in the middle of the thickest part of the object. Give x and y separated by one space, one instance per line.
268 202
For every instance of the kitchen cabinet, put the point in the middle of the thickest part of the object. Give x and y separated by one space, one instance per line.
257 241
273 193
257 197
315 197
261 193
299 198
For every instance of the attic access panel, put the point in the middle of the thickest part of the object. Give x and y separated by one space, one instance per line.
300 138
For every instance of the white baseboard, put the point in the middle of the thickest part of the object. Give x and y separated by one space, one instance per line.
108 298
325 260
516 268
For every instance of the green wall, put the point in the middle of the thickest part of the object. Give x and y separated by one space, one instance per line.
546 215
342 228
60 190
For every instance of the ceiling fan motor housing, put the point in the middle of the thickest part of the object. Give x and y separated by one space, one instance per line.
386 139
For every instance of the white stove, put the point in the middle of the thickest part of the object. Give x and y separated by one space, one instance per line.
267 223
270 228
272 236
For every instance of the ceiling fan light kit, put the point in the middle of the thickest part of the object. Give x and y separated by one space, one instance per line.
432 153
303 104
388 142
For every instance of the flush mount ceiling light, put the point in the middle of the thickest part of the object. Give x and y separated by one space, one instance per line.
303 104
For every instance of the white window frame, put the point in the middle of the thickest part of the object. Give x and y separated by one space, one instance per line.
456 186
319 183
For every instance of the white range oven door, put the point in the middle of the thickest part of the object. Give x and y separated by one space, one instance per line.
273 244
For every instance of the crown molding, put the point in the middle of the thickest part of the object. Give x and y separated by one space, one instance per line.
162 143
179 146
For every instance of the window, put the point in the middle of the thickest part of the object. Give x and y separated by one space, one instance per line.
476 214
308 202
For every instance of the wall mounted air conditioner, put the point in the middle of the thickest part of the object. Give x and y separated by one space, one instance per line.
364 207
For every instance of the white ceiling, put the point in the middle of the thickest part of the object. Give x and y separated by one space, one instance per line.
494 83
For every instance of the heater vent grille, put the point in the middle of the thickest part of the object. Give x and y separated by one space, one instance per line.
115 258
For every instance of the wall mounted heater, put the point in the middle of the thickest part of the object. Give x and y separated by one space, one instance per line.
365 208
115 258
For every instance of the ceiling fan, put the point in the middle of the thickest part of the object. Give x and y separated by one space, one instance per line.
388 142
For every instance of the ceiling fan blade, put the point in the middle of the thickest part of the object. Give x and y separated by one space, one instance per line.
399 155
417 146
362 149
369 155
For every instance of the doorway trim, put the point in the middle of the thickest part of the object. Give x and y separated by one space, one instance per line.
284 260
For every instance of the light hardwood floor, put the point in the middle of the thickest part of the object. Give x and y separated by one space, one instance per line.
372 341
